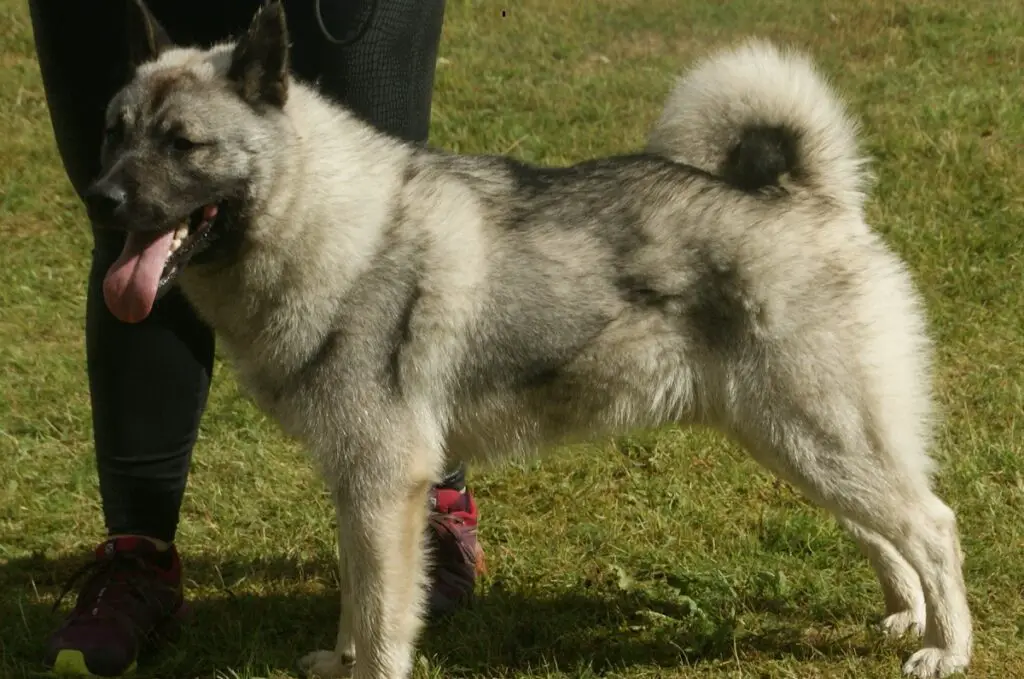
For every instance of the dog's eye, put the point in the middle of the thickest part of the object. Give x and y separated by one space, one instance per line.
182 143
113 133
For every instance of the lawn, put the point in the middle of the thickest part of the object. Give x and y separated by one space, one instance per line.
668 554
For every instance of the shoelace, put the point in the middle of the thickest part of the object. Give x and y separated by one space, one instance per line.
450 524
104 571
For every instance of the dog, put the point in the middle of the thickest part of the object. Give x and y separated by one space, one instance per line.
395 307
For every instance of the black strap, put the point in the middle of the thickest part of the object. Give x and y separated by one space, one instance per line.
354 35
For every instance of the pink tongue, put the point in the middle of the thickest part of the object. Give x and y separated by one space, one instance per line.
131 283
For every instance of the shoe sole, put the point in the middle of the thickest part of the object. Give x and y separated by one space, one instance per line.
71 663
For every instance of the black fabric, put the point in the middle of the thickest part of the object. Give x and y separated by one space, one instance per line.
149 381
455 480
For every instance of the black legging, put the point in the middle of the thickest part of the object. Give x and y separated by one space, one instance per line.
149 381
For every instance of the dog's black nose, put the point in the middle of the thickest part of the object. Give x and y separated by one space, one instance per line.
104 198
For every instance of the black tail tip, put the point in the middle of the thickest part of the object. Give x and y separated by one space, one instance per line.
761 157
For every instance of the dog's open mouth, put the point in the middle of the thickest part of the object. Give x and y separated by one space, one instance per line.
190 239
151 260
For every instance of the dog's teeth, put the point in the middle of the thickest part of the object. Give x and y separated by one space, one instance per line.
182 233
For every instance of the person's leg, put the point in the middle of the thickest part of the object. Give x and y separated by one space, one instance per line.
378 57
148 382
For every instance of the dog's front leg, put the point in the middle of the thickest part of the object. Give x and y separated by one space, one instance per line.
387 565
340 661
381 534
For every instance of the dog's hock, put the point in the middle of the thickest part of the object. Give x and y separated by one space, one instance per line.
259 63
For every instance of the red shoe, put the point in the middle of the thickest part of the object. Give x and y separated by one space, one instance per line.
130 599
458 556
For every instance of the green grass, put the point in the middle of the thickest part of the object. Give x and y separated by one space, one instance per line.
669 554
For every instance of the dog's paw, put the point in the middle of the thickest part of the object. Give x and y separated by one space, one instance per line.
325 665
902 623
934 663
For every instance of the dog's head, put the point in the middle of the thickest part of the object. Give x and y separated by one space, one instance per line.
186 146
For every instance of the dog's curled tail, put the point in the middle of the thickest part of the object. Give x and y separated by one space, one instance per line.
759 117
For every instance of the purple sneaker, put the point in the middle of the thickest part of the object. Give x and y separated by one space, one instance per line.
131 597
458 556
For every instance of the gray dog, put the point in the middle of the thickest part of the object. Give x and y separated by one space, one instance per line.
396 308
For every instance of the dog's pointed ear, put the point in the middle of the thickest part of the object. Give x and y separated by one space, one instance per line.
146 37
259 63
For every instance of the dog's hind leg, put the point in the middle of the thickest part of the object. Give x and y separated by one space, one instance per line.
823 444
901 587
900 584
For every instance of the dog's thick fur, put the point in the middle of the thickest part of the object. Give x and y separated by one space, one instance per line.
396 308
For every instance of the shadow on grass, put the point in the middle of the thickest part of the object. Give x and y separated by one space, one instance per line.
504 631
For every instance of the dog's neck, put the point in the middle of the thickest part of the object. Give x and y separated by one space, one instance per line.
300 226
